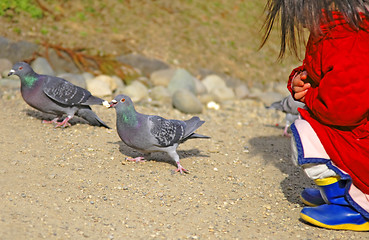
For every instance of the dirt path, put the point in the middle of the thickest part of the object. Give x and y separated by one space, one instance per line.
74 183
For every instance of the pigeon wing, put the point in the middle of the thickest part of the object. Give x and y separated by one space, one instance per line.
64 92
166 132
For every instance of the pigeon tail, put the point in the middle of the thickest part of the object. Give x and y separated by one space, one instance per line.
91 117
92 100
196 135
191 126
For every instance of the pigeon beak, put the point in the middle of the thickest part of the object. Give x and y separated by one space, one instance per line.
11 72
112 103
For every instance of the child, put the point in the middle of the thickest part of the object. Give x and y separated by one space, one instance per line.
331 140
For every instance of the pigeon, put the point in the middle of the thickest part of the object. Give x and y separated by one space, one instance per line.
151 133
56 96
289 106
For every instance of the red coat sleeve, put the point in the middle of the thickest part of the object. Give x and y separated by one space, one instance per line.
342 95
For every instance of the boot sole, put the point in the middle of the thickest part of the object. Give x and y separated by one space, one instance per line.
307 203
353 227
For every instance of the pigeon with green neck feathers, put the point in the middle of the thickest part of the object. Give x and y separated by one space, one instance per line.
150 133
56 96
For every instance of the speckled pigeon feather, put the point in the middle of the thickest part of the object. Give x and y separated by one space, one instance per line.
57 96
166 132
151 133
66 93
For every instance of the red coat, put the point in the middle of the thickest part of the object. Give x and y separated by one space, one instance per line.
337 64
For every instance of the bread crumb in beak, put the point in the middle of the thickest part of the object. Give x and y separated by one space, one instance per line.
106 104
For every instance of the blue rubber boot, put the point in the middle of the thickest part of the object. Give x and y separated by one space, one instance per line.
312 197
337 214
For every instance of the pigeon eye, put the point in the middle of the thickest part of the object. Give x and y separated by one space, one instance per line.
20 68
122 100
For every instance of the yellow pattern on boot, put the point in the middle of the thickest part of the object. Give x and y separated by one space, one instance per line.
327 181
353 227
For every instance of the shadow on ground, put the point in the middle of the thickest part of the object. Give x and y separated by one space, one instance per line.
276 151
48 117
157 156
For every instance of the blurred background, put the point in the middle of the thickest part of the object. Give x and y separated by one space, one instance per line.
219 35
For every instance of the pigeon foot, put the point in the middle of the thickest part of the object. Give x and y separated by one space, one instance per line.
181 169
64 123
55 120
137 159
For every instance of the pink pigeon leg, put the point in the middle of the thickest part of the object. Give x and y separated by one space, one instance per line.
55 120
181 169
64 123
285 133
137 159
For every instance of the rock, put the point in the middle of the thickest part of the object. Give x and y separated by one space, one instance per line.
98 88
42 66
119 82
76 79
136 91
223 94
16 51
206 98
281 88
162 77
5 73
182 80
160 93
108 80
242 91
10 83
185 101
145 81
200 87
87 76
62 64
268 97
212 82
146 65
5 65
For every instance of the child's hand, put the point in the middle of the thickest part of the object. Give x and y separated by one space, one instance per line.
299 86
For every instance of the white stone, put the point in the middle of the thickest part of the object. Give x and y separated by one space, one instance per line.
136 91
162 77
98 88
212 82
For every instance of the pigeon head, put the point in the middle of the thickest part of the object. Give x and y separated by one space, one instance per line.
21 69
126 113
121 101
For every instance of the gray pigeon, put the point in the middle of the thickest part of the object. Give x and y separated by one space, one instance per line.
289 106
150 133
56 96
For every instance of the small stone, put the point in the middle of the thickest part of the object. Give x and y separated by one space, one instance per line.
242 91
42 66
109 81
213 82
98 88
223 94
182 79
76 79
186 102
5 65
162 77
136 91
160 93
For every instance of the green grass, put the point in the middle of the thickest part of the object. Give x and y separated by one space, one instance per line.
19 6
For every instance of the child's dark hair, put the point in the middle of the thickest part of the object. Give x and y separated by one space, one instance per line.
294 15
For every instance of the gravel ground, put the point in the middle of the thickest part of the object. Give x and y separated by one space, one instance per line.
74 183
